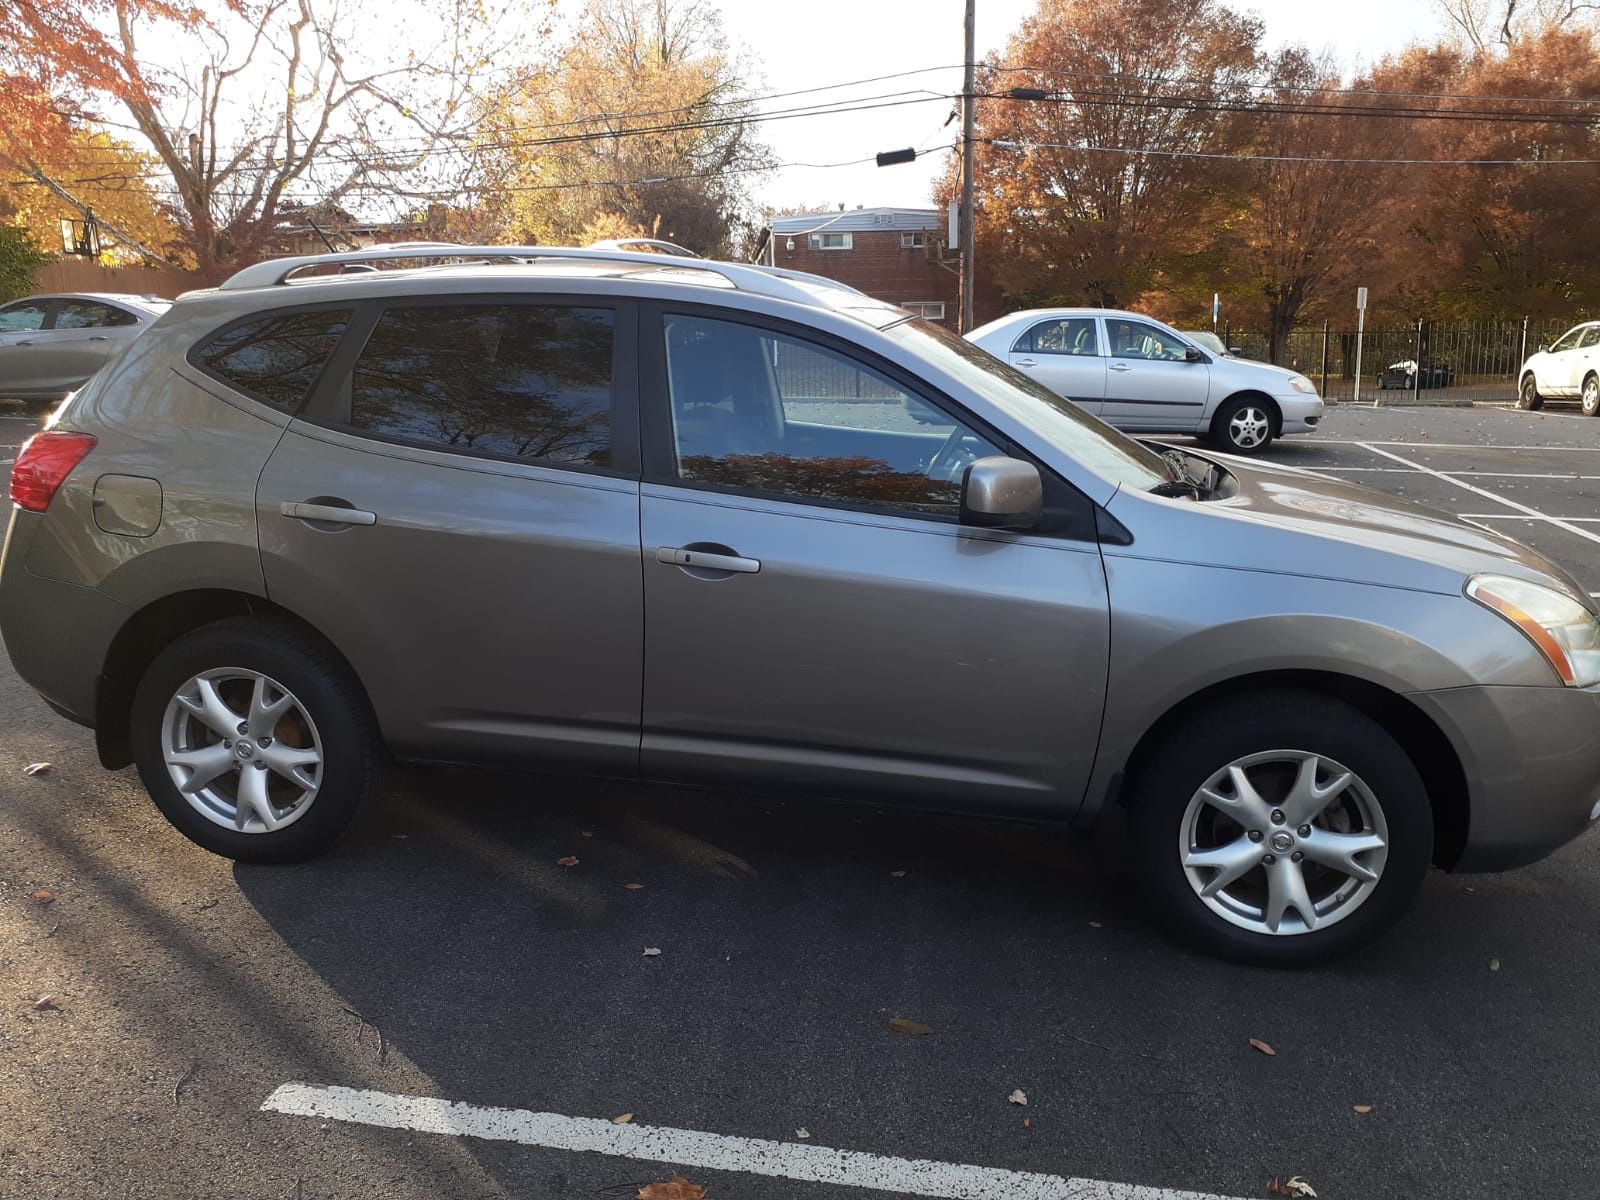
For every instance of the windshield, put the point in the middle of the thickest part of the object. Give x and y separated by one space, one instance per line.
1110 454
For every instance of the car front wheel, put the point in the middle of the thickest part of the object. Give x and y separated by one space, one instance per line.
255 741
1528 394
1242 426
1591 396
1281 829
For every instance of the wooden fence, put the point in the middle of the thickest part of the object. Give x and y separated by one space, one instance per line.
92 277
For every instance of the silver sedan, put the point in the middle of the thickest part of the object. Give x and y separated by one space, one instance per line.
51 345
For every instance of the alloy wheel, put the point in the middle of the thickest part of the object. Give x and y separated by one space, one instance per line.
1591 396
1249 428
1283 842
242 750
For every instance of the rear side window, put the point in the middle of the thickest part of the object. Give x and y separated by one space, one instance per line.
275 359
522 382
86 314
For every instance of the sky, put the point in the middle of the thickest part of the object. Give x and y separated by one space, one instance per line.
821 42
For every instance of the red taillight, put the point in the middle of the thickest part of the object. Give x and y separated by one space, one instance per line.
45 461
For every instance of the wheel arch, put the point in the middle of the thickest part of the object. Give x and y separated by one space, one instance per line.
1428 747
154 627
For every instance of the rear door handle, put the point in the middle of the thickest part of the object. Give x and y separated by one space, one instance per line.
1026 362
1119 367
98 337
675 556
333 514
22 343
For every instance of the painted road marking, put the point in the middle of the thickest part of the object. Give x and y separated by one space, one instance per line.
1474 474
1486 447
1487 495
692 1148
1520 517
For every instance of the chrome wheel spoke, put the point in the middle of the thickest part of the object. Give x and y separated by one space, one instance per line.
203 765
209 709
1246 806
1339 851
1307 798
1286 889
291 763
253 799
1230 862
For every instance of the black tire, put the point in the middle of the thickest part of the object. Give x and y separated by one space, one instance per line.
1528 398
1590 395
323 686
1223 430
1161 788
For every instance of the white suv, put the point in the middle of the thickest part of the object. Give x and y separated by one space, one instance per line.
1140 375
1570 367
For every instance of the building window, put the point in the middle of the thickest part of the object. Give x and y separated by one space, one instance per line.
913 241
830 241
932 310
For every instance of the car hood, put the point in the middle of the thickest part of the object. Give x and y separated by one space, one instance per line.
1260 374
1298 522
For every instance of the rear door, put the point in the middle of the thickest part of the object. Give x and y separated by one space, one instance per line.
80 340
1065 354
458 510
847 632
1149 382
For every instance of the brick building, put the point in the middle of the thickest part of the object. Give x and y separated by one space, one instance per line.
892 254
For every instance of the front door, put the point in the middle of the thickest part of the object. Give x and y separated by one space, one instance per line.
458 510
1149 382
21 328
1559 375
1065 354
817 617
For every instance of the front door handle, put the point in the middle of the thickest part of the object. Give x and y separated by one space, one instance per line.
1119 367
98 337
1026 362
705 560
22 343
332 514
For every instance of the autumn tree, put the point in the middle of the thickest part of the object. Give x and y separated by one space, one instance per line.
1089 195
1488 24
635 129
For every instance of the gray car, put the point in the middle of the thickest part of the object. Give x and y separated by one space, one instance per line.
592 512
51 345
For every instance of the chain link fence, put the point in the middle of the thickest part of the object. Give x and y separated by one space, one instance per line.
1460 362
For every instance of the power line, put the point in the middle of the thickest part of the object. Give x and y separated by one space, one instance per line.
1007 144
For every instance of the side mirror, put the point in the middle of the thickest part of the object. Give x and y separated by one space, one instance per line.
1001 493
1193 355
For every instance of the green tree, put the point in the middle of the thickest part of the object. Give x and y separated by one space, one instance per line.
20 257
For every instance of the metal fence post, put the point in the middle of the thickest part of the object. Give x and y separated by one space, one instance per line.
1416 375
1324 360
1524 357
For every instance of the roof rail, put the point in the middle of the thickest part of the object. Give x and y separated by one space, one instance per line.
763 281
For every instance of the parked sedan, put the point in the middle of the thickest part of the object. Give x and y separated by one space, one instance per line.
1568 368
51 345
1404 375
1146 377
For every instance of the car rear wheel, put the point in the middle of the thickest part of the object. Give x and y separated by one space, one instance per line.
1528 394
254 741
1242 426
1281 829
1591 395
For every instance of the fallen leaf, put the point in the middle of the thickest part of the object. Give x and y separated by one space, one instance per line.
568 861
1027 1122
1258 1044
633 887
1295 1186
36 769
802 1133
1095 925
651 951
44 896
588 833
1018 1097
44 1002
897 874
676 1188
623 1119
1494 964
1363 1109
909 1027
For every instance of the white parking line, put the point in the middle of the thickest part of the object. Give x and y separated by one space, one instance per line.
694 1149
1522 517
1487 495
1474 474
1486 447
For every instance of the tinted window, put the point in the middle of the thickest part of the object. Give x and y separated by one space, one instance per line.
1591 337
1135 339
275 359
763 412
1069 335
86 314
523 382
1569 339
22 317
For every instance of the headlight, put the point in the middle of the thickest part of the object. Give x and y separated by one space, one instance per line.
1565 632
1301 384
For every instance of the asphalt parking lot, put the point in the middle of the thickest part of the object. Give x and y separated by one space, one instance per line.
443 953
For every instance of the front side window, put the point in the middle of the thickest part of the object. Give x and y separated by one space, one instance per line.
87 314
764 412
1568 340
523 382
23 317
276 358
1135 339
1066 335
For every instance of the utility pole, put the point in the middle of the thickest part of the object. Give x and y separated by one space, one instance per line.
968 118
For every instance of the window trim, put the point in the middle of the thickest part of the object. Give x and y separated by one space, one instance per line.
912 306
1100 338
913 239
1073 511
192 356
328 406
819 241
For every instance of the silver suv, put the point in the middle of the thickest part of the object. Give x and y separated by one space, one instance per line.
693 521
